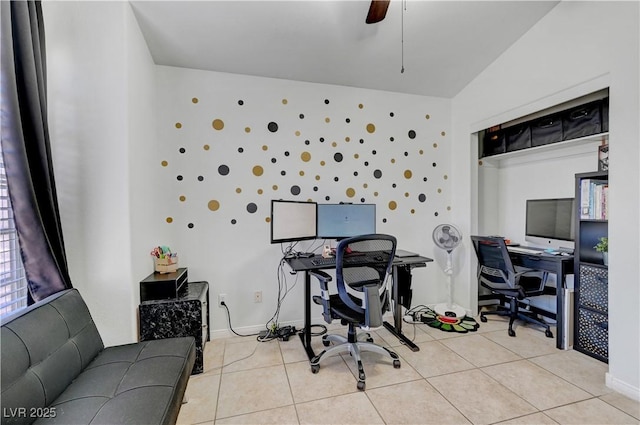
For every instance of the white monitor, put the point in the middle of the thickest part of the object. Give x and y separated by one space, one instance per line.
550 222
293 221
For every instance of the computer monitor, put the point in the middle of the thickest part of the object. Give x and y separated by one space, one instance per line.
550 222
339 221
293 221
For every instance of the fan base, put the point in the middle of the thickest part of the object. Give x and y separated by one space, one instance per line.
447 310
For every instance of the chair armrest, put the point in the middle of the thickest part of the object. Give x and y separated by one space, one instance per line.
325 298
320 275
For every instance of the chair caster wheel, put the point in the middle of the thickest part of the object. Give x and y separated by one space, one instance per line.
396 364
326 343
361 385
370 340
315 368
548 333
483 319
512 332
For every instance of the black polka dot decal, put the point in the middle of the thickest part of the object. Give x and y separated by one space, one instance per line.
412 134
223 170
252 208
295 190
337 157
422 197
272 126
377 174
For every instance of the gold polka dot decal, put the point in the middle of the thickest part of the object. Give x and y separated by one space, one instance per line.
178 125
297 133
439 190
238 190
421 152
217 124
247 129
365 185
301 173
443 133
449 208
445 177
347 139
164 163
406 194
480 163
274 187
393 205
260 191
371 128
257 171
360 106
213 205
408 174
393 160
183 198
413 211
194 100
356 156
267 219
285 101
206 147
265 147
327 120
375 194
169 220
305 156
317 177
322 163
435 145
427 116
334 144
351 192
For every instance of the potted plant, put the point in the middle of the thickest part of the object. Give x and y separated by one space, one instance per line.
603 247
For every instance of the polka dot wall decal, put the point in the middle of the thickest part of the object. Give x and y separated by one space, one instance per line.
182 198
393 160
356 156
337 157
361 141
327 120
448 208
274 187
178 125
406 194
307 142
443 133
321 140
240 102
273 160
391 114
194 100
322 163
285 101
347 120
393 205
377 174
213 205
427 116
247 129
375 194
200 178
406 153
217 124
182 150
436 213
347 139
334 144
267 219
238 190
336 178
422 197
179 178
297 133
265 147
408 174
257 171
301 116
240 150
259 191
445 177
206 147
164 163
435 145
326 101
371 128
272 126
301 173
283 173
351 192
305 156
251 208
295 190
233 221
434 165
190 225
421 152
365 185
412 134
439 190
169 219
360 106
223 170
317 177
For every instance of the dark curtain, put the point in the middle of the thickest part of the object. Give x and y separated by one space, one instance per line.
26 149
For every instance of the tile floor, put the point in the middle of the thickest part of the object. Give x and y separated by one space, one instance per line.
482 377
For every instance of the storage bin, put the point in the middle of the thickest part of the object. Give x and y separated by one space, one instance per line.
582 121
593 334
493 143
518 137
605 115
594 287
546 130
166 264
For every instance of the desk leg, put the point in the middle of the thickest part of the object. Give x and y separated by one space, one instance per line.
305 335
396 328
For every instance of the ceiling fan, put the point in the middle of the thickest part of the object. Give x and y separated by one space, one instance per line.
377 11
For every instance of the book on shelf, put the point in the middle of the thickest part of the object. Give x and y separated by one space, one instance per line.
594 202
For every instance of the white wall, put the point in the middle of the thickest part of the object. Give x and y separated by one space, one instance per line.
229 246
100 122
578 48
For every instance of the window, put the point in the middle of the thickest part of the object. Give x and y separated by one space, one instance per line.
13 283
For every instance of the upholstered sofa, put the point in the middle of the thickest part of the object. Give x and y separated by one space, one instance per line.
55 369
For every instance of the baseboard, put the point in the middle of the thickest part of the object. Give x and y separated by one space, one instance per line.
622 387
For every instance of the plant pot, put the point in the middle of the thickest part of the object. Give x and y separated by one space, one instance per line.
605 258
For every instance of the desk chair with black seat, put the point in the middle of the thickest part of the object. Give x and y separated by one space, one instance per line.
363 265
496 273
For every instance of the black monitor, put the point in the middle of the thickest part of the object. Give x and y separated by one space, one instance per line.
550 222
293 221
338 221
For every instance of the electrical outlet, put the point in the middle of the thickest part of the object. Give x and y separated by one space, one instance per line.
222 298
257 297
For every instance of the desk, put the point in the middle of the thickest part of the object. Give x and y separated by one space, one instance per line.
305 265
561 265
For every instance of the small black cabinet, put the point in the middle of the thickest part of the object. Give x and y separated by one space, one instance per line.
186 315
591 319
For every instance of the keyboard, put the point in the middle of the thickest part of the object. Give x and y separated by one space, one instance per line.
351 260
322 261
522 250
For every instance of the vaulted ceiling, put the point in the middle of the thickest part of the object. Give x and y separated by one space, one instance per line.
442 45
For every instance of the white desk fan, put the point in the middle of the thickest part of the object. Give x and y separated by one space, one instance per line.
447 237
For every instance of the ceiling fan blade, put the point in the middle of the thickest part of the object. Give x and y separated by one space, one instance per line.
377 11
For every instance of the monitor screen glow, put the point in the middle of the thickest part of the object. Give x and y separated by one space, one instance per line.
293 221
336 221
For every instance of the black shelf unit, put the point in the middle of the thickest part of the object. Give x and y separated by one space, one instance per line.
591 320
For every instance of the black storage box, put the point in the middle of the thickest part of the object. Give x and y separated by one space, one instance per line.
518 137
164 286
546 130
582 121
493 143
605 115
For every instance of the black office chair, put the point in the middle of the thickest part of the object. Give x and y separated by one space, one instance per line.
363 264
496 273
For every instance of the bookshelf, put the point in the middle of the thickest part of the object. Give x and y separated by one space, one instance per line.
591 321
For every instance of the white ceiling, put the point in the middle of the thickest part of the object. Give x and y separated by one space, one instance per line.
446 43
